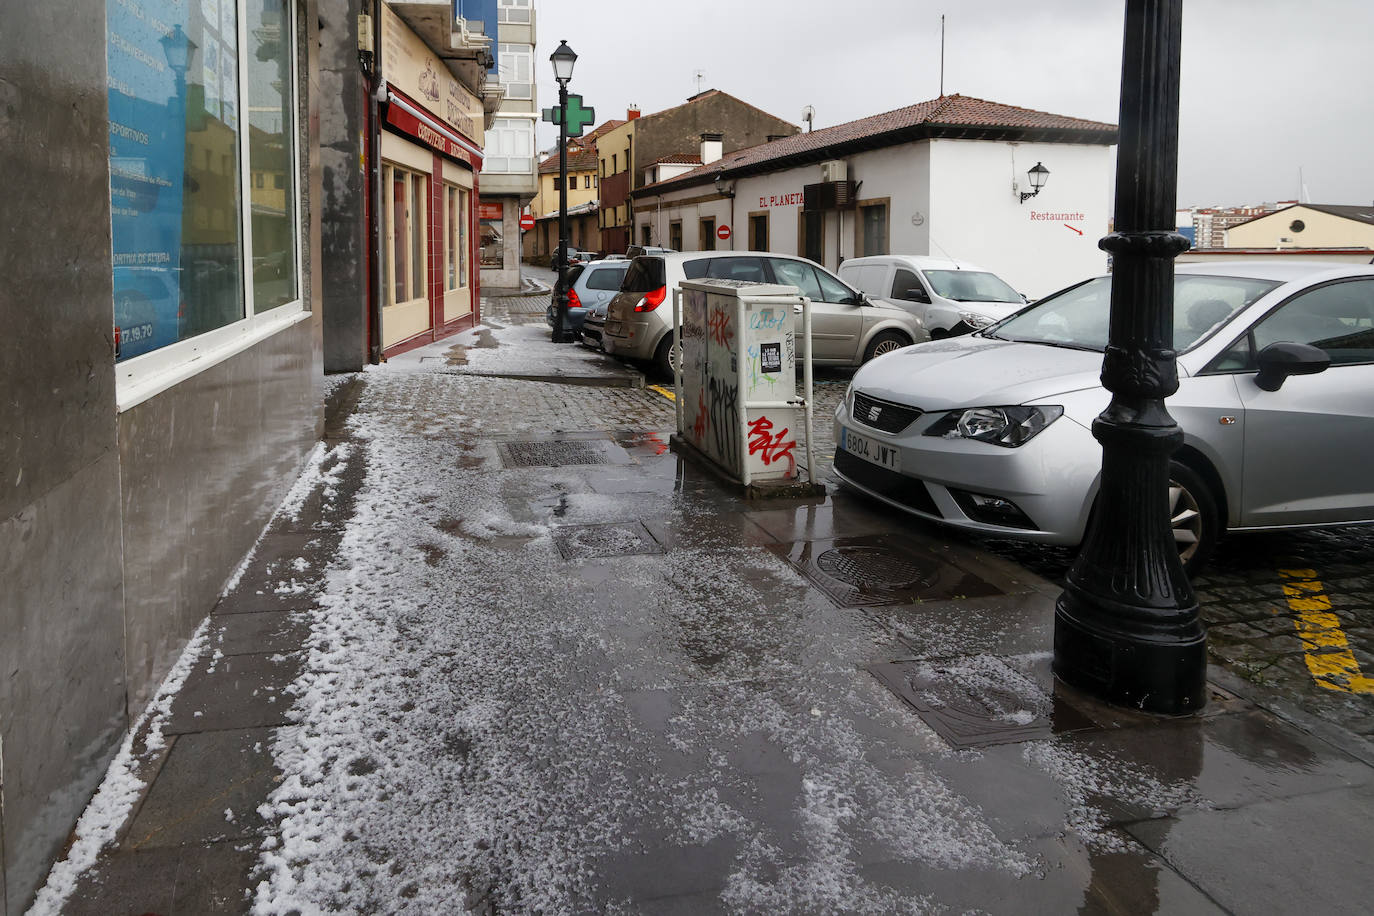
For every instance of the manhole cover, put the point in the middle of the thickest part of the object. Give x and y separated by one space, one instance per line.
979 700
880 569
587 542
875 567
551 454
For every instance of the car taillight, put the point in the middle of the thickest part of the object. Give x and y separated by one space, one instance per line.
652 300
573 301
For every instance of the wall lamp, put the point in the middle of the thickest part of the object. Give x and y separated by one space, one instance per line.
1037 175
723 187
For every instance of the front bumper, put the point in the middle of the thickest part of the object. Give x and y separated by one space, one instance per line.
1050 481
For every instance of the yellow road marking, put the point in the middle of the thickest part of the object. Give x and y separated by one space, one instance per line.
1329 659
663 391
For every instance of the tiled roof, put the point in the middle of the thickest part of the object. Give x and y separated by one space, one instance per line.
1361 214
606 127
583 160
678 159
950 116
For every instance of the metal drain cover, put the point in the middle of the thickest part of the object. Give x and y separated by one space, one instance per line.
979 700
586 542
880 569
553 454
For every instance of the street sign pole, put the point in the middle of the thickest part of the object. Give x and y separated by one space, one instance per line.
1127 627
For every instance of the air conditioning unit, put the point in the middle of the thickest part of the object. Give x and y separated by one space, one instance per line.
834 170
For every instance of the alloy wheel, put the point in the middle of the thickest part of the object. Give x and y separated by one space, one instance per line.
1186 520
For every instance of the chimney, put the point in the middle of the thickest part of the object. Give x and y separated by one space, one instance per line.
632 112
711 147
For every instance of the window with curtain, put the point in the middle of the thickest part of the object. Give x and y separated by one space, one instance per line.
406 200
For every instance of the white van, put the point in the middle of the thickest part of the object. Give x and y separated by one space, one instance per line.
950 297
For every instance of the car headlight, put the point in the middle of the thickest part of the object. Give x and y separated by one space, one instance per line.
1008 427
974 320
849 398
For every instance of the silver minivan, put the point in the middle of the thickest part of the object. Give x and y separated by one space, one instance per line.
847 328
950 297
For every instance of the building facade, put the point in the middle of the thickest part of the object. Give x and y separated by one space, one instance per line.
624 153
402 148
509 177
1306 226
944 178
163 375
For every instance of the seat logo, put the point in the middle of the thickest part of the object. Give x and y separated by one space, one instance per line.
873 413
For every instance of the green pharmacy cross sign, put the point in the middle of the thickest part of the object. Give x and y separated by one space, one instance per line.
578 117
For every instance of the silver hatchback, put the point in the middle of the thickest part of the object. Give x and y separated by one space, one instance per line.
992 432
847 328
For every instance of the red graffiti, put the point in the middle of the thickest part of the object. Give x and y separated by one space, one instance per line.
659 445
721 332
703 418
771 447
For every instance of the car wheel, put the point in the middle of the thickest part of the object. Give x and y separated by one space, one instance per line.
884 342
1193 517
666 357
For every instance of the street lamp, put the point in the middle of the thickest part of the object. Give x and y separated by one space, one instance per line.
1126 627
1037 175
563 60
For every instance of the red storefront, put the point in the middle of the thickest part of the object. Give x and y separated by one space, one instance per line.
428 214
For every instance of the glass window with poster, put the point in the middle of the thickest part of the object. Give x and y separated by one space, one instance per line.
455 271
203 181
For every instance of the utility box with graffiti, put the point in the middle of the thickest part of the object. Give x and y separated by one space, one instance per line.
736 380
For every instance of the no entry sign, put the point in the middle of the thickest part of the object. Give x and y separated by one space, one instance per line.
526 221
723 233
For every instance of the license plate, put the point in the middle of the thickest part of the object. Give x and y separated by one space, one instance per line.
612 328
885 456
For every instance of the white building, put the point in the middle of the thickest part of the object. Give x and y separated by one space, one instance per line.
946 177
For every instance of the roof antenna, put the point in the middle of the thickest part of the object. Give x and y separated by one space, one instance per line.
808 115
699 75
942 55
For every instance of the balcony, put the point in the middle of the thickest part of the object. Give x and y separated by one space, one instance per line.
460 43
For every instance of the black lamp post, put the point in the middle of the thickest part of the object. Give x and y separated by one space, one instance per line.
563 60
1127 627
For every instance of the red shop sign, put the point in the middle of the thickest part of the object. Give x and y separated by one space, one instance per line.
490 210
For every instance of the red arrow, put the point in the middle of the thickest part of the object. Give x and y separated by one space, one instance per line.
1079 231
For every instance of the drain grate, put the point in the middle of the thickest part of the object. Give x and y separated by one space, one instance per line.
588 542
555 454
979 700
880 569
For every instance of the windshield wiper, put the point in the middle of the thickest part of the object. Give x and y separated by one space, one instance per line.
1056 343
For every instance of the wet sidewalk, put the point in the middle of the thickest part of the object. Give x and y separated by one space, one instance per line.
502 650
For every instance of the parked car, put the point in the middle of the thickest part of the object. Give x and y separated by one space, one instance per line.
590 284
593 325
575 256
992 432
846 328
950 297
635 251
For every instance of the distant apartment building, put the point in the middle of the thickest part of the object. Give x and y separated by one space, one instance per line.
509 178
625 155
1210 223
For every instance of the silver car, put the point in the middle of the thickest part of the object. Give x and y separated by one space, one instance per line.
992 432
846 327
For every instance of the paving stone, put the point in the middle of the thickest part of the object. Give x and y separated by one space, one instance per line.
208 790
195 880
268 632
1246 858
235 692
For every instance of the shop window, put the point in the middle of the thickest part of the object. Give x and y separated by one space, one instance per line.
455 203
517 11
758 232
515 67
706 235
509 147
493 238
675 235
645 238
871 228
405 228
195 237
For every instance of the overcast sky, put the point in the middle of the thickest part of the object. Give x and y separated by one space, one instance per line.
1269 86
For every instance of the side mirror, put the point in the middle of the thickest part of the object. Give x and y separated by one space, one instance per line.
916 294
1280 360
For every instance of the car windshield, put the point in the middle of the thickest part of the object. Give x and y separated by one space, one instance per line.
971 286
1077 317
